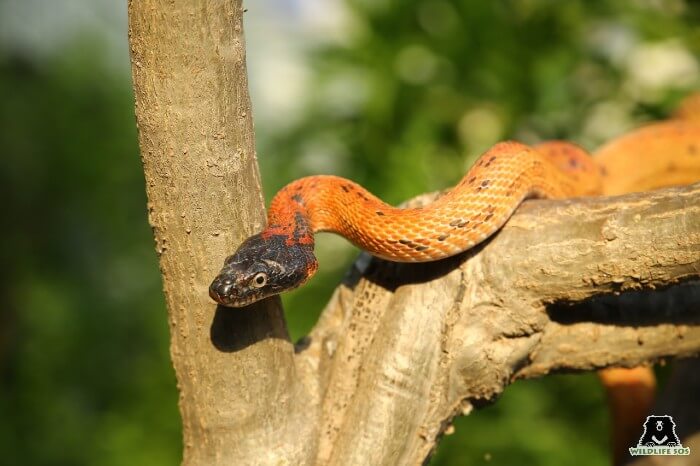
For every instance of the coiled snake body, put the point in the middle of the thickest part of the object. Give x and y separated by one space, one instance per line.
281 256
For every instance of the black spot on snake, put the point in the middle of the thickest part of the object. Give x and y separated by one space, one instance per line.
456 222
420 248
345 188
380 213
486 219
485 183
442 237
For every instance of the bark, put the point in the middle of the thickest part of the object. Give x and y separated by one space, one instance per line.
400 349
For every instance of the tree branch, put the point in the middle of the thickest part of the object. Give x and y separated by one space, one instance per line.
403 348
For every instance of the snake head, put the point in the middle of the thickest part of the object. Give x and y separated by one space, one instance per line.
264 265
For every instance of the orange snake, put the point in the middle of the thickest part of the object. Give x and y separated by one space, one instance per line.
281 257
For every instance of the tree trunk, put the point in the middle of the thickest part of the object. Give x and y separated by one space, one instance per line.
239 385
400 349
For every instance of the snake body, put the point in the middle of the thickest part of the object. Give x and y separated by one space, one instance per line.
281 256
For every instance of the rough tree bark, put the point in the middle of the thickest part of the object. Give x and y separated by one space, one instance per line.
400 349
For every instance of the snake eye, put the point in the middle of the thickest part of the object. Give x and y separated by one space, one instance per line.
259 280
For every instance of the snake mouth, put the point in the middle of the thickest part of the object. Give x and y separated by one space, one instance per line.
228 300
223 291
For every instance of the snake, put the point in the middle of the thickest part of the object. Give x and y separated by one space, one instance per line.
281 258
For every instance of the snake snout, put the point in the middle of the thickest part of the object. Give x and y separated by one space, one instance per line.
222 290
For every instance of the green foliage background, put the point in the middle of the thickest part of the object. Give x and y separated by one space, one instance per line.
402 106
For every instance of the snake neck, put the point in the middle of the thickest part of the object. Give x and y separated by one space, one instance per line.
316 203
291 223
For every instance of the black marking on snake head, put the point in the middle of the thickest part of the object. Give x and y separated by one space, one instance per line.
488 164
472 180
346 188
262 266
463 224
379 212
442 237
455 222
485 183
420 248
297 198
488 217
